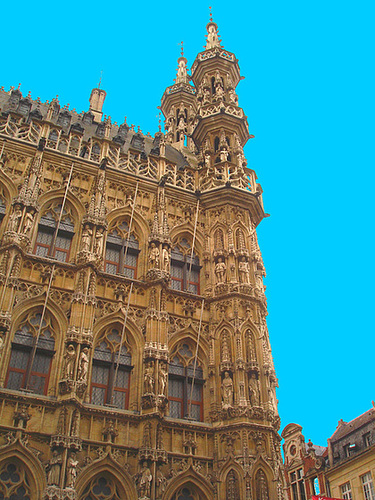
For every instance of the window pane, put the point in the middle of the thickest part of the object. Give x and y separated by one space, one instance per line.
15 380
61 256
41 251
119 399
63 242
195 412
97 396
175 409
41 363
112 254
18 359
176 285
197 392
129 273
100 374
110 268
176 388
44 236
193 288
131 260
37 384
122 379
177 271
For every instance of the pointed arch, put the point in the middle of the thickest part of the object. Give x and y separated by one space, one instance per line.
189 479
263 480
107 467
55 194
139 224
18 454
231 467
186 229
8 187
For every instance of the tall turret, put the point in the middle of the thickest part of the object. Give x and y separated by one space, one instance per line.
179 107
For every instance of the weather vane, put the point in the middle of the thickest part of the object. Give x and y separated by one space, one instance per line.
100 79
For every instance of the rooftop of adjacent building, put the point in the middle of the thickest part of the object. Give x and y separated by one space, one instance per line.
344 429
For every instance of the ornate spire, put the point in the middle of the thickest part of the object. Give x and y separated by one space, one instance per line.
182 76
213 39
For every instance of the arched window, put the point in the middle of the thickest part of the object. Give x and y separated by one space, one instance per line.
110 385
95 152
185 396
102 487
49 242
216 144
240 240
28 371
74 145
184 269
14 482
121 256
52 139
219 239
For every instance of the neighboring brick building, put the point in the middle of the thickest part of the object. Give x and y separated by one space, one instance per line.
135 360
345 469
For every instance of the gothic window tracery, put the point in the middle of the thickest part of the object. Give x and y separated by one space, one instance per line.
185 396
107 386
226 352
21 374
185 270
95 152
232 486
52 241
240 240
14 482
219 240
53 139
102 487
121 256
2 207
261 486
251 353
187 493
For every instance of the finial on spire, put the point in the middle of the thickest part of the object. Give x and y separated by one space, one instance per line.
213 39
159 121
100 79
182 76
182 49
19 86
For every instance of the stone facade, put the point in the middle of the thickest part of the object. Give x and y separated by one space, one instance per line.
135 359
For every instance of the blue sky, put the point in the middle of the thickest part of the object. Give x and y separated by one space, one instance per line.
309 97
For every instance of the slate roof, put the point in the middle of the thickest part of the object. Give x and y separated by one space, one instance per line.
346 428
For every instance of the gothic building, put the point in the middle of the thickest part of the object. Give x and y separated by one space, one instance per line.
135 359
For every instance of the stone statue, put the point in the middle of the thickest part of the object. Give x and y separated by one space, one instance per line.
14 219
166 259
212 38
232 96
181 71
244 270
149 378
86 238
220 270
161 482
83 365
163 378
254 390
145 481
28 223
99 241
71 470
70 357
154 256
227 390
74 429
54 468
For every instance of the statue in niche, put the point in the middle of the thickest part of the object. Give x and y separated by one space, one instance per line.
233 98
163 378
206 96
1 345
227 390
149 381
71 470
166 259
74 429
28 223
145 478
14 219
99 241
54 468
154 256
86 238
272 399
161 482
244 271
83 365
220 270
70 357
254 390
